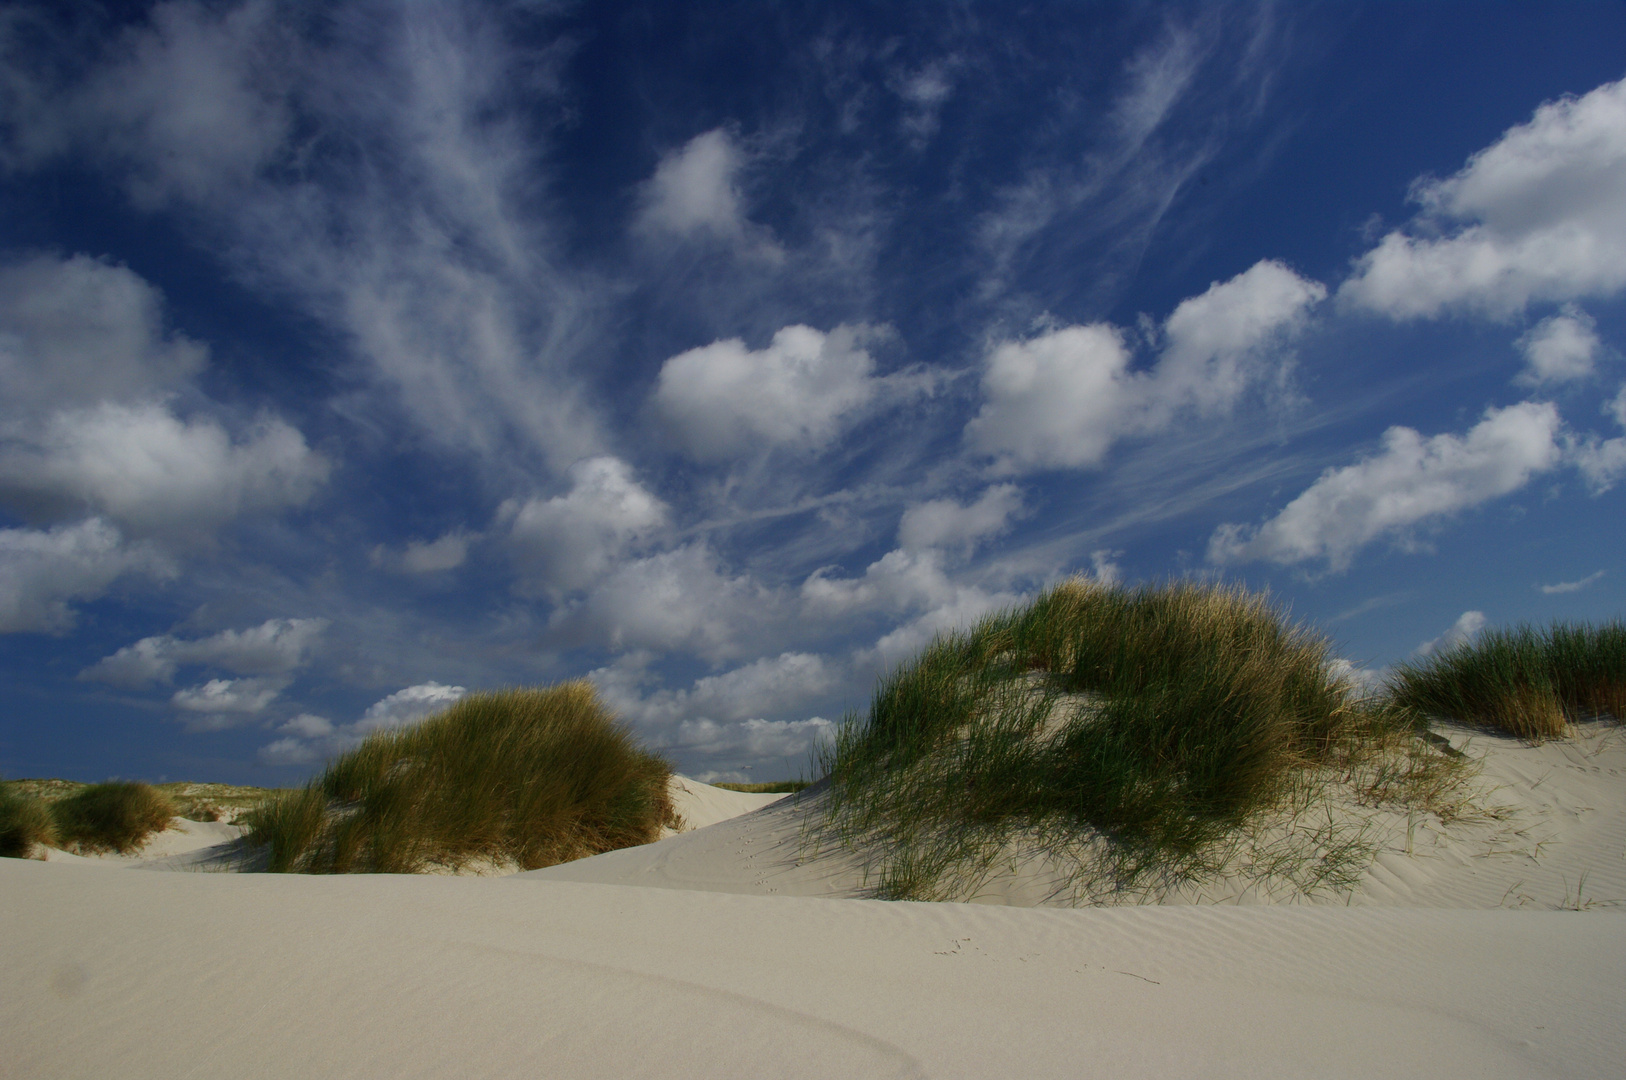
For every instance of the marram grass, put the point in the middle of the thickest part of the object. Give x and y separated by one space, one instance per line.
25 823
528 777
1129 734
119 815
1525 681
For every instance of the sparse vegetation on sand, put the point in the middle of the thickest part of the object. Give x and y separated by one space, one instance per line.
1131 737
528 777
193 801
118 815
772 787
1525 681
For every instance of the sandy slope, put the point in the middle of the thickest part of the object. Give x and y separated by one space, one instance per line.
1550 833
165 975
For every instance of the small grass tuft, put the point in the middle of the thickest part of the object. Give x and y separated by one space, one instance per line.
527 777
25 823
1525 681
116 816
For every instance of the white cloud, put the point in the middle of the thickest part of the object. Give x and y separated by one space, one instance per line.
309 725
571 541
1560 348
924 93
189 104
276 646
801 391
1104 568
1467 625
1572 586
902 582
1057 400
769 685
402 215
446 552
155 473
78 331
310 738
1603 461
1063 398
752 741
407 705
1536 216
41 571
223 703
694 190
85 366
1411 481
683 599
944 523
959 611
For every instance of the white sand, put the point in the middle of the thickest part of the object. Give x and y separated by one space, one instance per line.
168 975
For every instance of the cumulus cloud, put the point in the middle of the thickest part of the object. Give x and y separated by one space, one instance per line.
1571 586
41 571
276 646
682 599
570 541
1536 216
1409 482
155 473
1467 625
1064 398
309 738
913 584
801 391
1603 461
78 331
772 684
944 523
447 552
223 703
85 368
1561 348
695 192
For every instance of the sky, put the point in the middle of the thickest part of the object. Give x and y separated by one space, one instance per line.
356 356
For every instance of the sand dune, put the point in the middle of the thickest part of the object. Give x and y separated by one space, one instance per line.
584 970
1548 831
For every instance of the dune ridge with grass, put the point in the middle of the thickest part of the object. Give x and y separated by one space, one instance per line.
1190 846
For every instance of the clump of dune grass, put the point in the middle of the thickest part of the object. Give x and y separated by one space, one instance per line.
25 823
1127 736
1526 681
528 777
119 815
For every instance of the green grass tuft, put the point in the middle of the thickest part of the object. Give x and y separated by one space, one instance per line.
116 816
1127 734
1524 681
528 777
25 823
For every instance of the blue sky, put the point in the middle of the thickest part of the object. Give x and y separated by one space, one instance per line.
355 356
